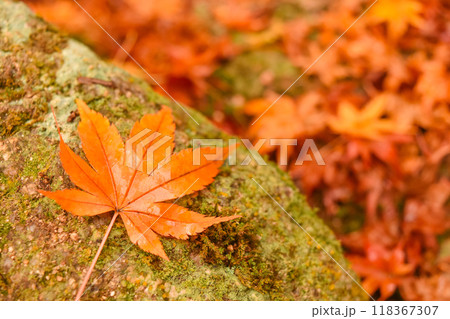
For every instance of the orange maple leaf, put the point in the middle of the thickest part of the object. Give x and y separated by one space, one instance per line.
111 186
381 268
366 123
398 15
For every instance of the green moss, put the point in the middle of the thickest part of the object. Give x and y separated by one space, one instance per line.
45 252
45 37
5 227
288 11
254 257
26 69
243 74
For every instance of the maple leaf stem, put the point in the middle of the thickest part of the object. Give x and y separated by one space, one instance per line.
94 261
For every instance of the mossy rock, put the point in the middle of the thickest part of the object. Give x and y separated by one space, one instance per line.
45 251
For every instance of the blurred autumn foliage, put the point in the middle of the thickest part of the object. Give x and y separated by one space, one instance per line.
377 104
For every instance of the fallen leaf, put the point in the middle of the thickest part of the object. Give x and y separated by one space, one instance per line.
108 185
398 15
366 123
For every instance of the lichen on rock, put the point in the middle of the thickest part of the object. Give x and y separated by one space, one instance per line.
45 250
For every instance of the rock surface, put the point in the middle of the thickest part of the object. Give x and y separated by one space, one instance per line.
45 251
